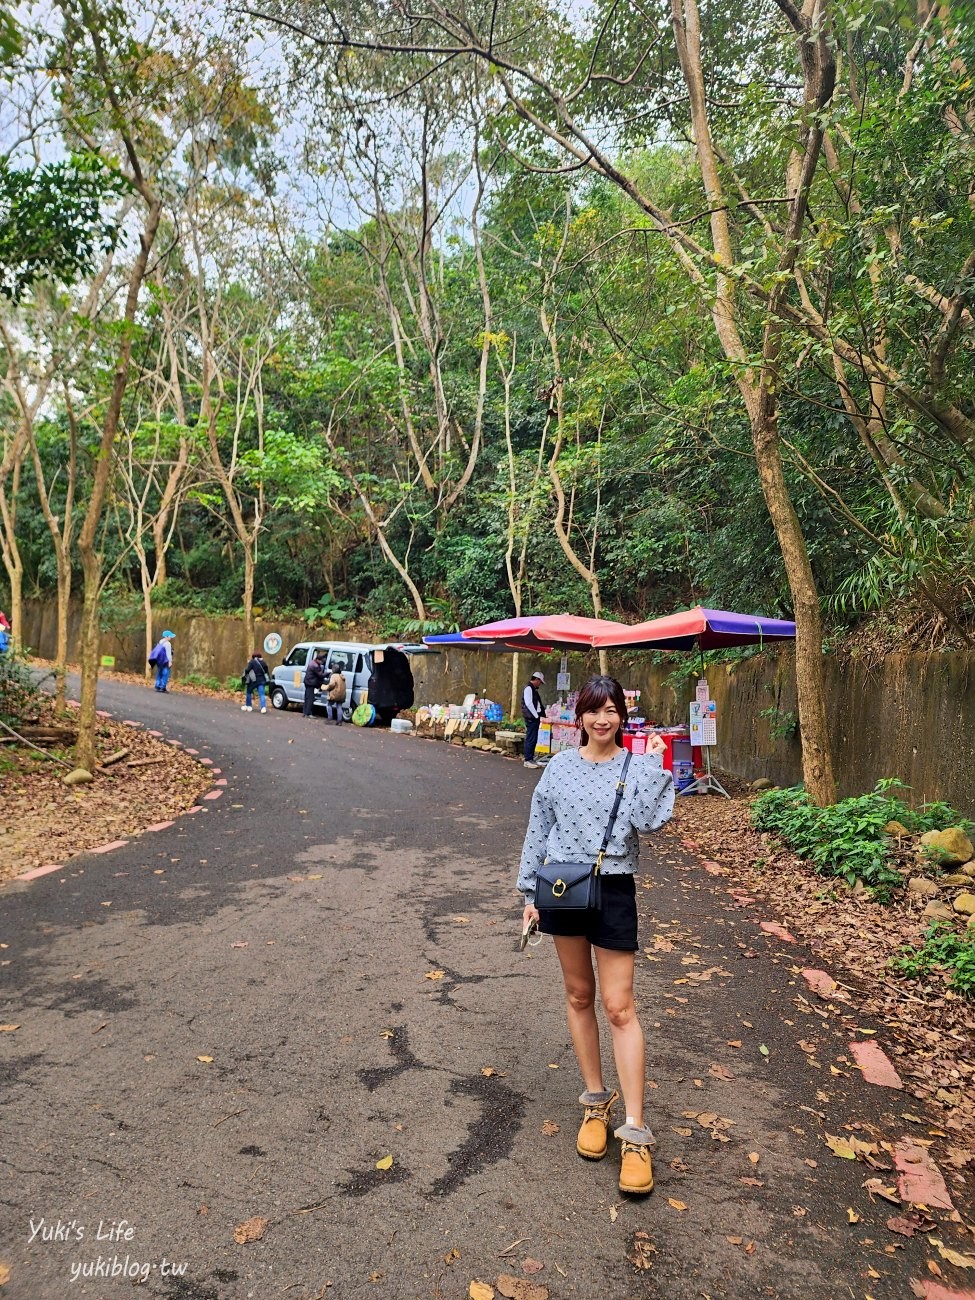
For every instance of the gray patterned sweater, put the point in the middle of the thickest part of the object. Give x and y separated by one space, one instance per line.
571 807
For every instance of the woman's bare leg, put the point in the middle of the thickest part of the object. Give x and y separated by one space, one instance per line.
616 992
575 957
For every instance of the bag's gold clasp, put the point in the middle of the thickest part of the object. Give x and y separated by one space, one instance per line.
559 887
599 862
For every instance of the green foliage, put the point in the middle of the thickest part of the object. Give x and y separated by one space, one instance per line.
52 223
846 839
945 951
782 724
328 612
20 691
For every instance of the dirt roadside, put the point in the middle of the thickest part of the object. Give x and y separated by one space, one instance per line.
930 1029
43 821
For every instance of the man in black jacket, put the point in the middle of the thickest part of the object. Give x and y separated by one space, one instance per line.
314 680
532 709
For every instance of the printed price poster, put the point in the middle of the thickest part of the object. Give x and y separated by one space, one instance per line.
697 722
562 682
702 693
709 731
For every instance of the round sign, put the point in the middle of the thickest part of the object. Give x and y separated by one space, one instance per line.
272 643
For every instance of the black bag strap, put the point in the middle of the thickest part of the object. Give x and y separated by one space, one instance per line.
620 787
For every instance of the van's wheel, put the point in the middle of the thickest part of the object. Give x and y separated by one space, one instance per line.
279 698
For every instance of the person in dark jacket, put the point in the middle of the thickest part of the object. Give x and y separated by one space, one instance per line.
314 681
532 709
255 678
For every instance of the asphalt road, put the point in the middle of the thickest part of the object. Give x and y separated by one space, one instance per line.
337 932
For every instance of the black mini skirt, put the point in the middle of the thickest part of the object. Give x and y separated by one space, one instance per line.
612 926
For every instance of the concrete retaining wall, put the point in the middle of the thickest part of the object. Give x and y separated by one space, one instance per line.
913 717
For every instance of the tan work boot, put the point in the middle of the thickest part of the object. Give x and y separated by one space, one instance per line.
636 1171
591 1142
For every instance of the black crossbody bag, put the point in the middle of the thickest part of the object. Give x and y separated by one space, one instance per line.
575 886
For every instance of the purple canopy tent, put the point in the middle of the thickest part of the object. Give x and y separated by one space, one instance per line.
699 629
702 629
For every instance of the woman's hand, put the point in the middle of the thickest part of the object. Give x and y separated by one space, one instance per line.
530 914
655 744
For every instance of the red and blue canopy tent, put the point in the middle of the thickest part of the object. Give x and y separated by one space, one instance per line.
697 629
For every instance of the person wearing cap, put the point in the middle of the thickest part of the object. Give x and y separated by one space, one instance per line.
162 660
532 709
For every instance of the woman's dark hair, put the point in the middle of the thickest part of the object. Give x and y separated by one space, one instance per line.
597 692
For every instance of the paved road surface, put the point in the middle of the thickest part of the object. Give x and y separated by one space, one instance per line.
289 932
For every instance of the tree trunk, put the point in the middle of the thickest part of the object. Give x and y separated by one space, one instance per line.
147 616
91 558
817 763
86 750
64 614
249 567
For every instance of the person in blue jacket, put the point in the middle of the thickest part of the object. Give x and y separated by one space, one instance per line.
4 633
162 660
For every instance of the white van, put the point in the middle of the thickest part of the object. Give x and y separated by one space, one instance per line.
353 659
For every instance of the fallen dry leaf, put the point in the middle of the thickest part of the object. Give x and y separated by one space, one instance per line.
530 1265
720 1072
676 1205
385 1163
8 1029
754 1157
207 1060
876 1187
840 1147
435 974
451 1255
250 1230
642 1251
549 1128
953 1256
852 1216
906 1225
4 1274
480 1291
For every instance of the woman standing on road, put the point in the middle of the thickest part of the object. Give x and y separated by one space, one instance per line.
570 811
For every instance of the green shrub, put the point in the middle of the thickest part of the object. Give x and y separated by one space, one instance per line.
329 612
847 839
942 950
208 683
844 839
20 691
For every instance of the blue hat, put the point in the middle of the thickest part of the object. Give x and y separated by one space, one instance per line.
172 634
